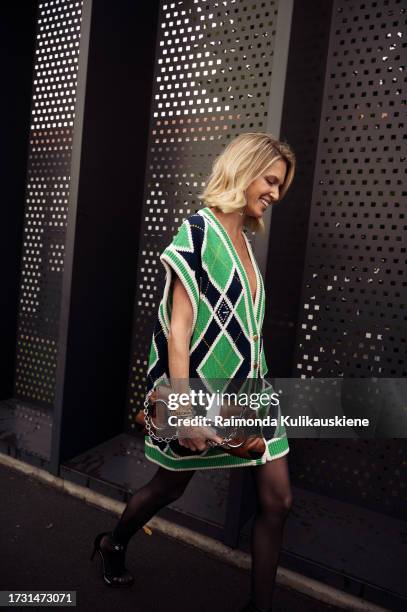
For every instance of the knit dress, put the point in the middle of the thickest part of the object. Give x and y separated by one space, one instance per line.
226 341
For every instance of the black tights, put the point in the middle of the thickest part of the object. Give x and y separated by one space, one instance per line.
274 502
165 487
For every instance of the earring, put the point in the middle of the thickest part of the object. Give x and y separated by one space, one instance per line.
244 209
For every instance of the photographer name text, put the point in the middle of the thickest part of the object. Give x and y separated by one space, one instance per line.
286 421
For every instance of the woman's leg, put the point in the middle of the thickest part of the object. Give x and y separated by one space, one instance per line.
274 502
165 487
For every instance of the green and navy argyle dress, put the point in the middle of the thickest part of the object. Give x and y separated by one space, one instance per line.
226 342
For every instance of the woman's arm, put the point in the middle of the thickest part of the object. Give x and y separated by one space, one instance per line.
179 339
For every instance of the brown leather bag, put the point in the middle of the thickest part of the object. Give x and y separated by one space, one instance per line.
252 447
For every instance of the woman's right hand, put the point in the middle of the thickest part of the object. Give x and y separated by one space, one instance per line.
195 438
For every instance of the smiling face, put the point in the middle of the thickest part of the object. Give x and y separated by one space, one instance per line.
265 190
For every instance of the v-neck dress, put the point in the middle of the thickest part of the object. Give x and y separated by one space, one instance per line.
226 342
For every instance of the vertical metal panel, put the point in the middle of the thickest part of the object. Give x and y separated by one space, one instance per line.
17 44
353 289
275 110
289 222
352 319
107 225
47 198
59 79
82 40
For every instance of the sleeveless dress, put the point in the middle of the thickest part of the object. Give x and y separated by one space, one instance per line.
226 342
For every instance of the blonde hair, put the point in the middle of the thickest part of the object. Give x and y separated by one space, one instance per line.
244 159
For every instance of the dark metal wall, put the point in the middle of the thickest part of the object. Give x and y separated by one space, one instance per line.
46 201
289 223
90 99
107 227
17 40
352 319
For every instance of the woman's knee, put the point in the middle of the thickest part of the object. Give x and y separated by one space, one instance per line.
277 506
286 503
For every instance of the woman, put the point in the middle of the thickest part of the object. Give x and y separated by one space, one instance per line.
209 326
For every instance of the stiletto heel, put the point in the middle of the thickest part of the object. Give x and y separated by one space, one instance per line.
114 571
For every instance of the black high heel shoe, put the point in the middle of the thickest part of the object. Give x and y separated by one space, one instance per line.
114 571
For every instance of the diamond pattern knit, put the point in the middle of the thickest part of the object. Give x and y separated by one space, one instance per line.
226 342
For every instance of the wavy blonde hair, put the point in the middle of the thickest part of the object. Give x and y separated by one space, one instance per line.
244 159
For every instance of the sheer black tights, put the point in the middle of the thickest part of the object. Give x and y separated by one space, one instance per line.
165 487
274 502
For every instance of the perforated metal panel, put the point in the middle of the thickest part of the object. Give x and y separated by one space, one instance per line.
213 74
47 192
352 320
354 294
